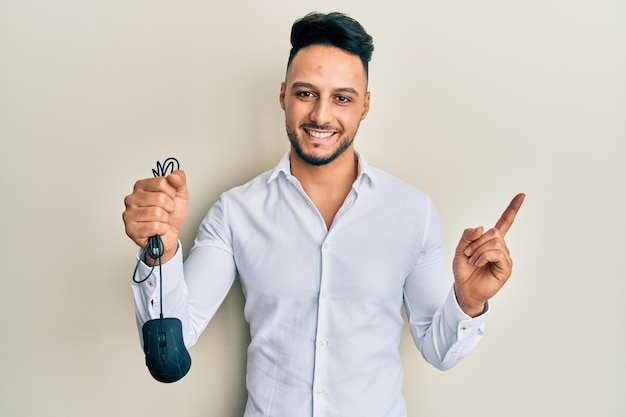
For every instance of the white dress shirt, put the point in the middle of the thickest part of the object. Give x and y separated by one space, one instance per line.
324 305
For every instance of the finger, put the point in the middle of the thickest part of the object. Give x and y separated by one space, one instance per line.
149 199
143 222
501 266
491 237
155 185
468 236
147 214
490 245
178 180
492 252
139 232
507 218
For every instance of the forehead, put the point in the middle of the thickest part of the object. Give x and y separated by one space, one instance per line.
327 66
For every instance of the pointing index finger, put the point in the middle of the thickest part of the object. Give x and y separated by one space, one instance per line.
506 220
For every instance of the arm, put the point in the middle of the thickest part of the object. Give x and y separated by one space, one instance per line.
191 292
442 332
446 331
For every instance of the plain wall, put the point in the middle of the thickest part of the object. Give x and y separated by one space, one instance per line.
472 101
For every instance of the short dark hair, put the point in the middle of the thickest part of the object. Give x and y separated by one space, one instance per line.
332 29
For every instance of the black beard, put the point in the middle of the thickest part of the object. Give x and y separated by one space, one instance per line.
313 160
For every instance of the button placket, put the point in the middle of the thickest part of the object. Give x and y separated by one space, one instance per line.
321 342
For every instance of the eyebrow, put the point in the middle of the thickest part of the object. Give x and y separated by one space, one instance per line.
301 84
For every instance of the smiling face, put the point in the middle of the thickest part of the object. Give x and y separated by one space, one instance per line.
325 98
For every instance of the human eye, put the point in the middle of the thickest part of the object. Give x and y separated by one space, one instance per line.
343 99
305 94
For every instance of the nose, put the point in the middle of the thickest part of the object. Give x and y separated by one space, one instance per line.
321 112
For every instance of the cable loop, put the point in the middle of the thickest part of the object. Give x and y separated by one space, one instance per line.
155 248
169 165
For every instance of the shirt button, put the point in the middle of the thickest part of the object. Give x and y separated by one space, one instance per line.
319 390
325 245
150 284
324 294
464 328
322 343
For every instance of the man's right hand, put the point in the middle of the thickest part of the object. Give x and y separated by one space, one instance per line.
157 206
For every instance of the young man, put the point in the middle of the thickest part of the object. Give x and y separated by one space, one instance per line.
328 250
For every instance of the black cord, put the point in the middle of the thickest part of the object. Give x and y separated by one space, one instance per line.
155 247
169 165
167 357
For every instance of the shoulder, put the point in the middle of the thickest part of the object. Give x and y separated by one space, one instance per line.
251 188
392 187
247 197
261 184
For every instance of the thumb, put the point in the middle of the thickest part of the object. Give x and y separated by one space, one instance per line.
178 180
468 236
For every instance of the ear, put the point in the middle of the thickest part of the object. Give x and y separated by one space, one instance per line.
366 105
281 97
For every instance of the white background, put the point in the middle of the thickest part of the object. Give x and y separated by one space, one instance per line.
472 101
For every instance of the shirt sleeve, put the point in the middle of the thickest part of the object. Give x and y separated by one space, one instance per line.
194 289
442 332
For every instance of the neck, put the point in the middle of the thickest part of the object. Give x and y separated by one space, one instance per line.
338 174
328 185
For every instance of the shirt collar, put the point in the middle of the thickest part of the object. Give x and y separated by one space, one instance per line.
365 171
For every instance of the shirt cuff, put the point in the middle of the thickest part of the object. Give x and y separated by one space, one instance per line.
459 320
172 272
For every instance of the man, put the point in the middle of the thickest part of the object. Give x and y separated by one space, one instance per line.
328 250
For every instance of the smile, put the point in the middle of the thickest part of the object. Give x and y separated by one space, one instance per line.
319 135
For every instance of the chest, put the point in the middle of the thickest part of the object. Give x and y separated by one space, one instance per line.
289 252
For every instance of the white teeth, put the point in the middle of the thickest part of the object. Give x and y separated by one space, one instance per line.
320 135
